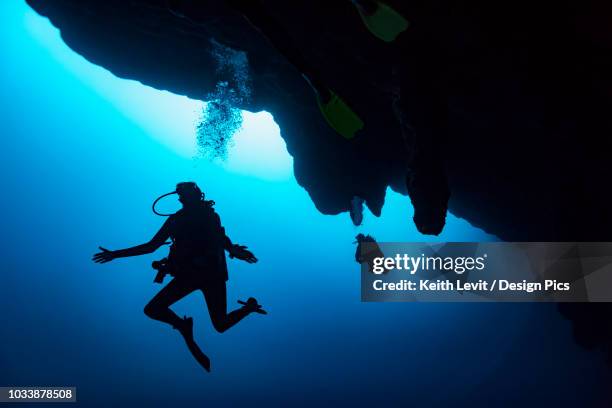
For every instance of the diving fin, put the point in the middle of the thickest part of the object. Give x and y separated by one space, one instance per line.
385 23
199 355
186 330
252 304
340 116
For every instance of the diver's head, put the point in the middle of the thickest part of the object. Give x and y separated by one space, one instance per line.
360 237
189 193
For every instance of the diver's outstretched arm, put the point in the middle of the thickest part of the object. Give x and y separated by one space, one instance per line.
227 243
158 240
241 252
234 250
238 251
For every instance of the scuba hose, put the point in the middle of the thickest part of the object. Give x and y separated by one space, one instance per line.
157 200
186 188
207 202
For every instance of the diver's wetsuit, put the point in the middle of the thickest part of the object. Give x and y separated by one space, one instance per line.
197 262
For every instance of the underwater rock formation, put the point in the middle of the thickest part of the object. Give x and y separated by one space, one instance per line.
512 99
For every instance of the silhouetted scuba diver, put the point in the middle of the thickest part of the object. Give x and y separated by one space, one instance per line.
380 19
196 261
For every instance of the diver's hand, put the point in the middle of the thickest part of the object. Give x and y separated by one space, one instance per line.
104 256
241 252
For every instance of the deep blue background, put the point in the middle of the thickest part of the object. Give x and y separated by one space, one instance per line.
80 164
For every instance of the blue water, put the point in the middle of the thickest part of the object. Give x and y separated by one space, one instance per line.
83 154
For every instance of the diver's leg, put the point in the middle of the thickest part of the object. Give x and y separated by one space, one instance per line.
216 300
159 307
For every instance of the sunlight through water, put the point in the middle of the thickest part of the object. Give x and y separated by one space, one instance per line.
257 149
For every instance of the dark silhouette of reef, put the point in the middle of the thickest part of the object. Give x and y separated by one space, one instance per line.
517 94
511 98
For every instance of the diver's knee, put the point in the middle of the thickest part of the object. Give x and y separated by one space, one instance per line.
150 310
219 326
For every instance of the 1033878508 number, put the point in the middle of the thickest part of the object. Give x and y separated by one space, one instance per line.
16 394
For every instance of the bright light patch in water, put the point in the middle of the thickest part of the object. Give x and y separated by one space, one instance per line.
257 149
